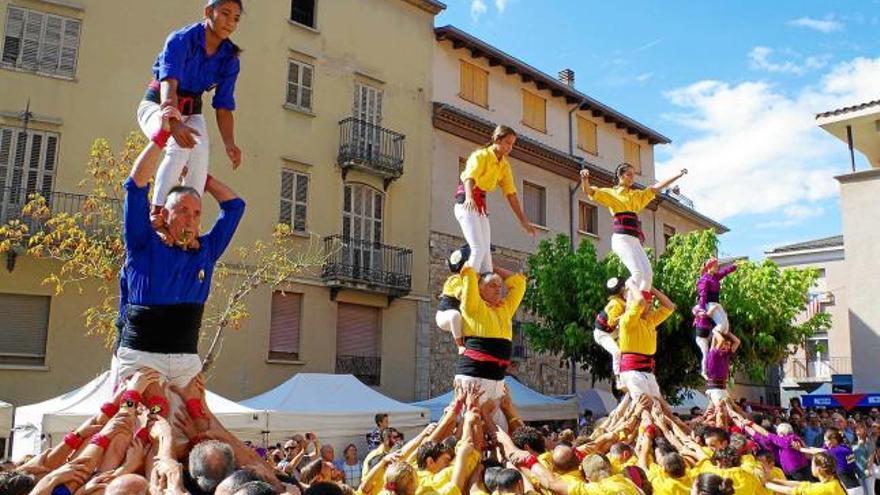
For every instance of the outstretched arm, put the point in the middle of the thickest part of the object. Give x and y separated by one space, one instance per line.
659 186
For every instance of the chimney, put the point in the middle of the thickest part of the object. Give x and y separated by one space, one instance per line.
567 77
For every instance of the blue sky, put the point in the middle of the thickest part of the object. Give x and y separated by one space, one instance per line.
734 84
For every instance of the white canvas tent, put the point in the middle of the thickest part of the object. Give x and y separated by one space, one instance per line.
600 402
338 408
696 399
50 420
532 405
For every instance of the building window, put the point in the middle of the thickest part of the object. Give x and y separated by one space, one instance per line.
284 330
28 160
587 136
299 85
24 325
534 111
474 84
668 232
588 218
294 199
358 346
362 227
535 203
303 12
39 42
632 154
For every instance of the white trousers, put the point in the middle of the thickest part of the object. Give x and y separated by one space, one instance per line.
492 390
722 326
703 344
638 383
632 254
449 320
606 340
478 235
177 369
716 395
195 159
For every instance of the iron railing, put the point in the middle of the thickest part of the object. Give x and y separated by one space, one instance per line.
14 200
367 265
367 369
815 370
370 147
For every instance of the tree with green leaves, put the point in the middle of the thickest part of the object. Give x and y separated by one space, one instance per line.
762 301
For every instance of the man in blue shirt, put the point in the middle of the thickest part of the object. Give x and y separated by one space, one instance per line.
166 286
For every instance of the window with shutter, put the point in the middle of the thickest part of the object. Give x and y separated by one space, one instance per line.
535 203
24 326
587 134
358 342
362 226
534 111
588 218
294 199
284 331
39 42
27 166
632 154
474 84
299 85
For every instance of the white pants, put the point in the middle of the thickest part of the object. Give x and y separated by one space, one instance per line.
492 390
449 320
195 159
868 485
722 326
716 395
178 369
478 235
606 340
638 383
632 254
703 344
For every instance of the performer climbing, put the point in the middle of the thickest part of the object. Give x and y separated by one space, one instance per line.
638 340
448 315
488 335
605 328
718 366
708 305
486 169
195 59
625 203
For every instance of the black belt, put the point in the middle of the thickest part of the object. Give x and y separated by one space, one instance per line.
164 329
448 302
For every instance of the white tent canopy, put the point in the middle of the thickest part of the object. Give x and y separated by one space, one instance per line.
335 407
694 399
532 405
600 402
55 417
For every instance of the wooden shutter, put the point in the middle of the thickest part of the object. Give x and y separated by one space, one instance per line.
13 34
69 48
285 215
24 325
534 111
632 154
284 332
474 84
300 202
587 131
293 83
357 330
294 199
587 217
30 48
467 81
299 85
50 46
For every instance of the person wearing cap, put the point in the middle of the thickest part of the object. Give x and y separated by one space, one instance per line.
605 327
625 202
197 58
638 340
448 315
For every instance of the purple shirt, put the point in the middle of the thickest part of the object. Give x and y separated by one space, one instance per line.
718 366
709 285
846 460
790 459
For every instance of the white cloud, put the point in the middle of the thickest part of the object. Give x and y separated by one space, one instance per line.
648 45
757 149
478 8
826 25
644 76
760 59
501 5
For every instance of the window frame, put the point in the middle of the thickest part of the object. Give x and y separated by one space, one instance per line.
314 24
525 114
300 87
543 207
595 131
475 70
293 200
594 218
43 45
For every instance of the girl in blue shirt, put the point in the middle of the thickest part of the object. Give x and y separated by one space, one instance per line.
197 58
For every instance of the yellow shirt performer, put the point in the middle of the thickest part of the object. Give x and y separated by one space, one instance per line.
448 315
605 328
486 169
625 203
638 341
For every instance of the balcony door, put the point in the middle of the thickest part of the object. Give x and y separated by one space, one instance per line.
362 212
367 109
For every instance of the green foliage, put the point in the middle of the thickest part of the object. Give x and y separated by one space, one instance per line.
762 301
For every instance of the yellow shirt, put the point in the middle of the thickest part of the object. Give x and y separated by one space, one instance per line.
777 474
381 449
483 320
614 310
488 173
637 334
744 481
667 485
452 286
546 460
749 462
620 199
617 466
612 485
830 487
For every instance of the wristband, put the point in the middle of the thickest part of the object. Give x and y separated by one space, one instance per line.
651 430
73 440
157 404
131 398
109 409
528 462
101 441
195 409
143 434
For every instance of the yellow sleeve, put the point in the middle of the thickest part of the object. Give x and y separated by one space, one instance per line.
659 315
476 164
641 198
452 286
472 303
631 311
614 309
604 196
516 289
803 489
505 179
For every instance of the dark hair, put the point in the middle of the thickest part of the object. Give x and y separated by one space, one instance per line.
323 488
619 449
639 478
529 437
663 445
766 455
428 450
256 488
16 483
311 471
619 171
718 433
241 477
500 132
348 447
507 480
834 433
614 286
379 418
236 50
712 484
490 478
387 434
727 457
673 464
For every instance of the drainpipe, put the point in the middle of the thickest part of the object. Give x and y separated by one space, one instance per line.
849 142
572 191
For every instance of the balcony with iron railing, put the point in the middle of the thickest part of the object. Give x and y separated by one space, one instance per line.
803 370
14 200
366 265
367 369
370 148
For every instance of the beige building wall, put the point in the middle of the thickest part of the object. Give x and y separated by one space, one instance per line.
119 42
